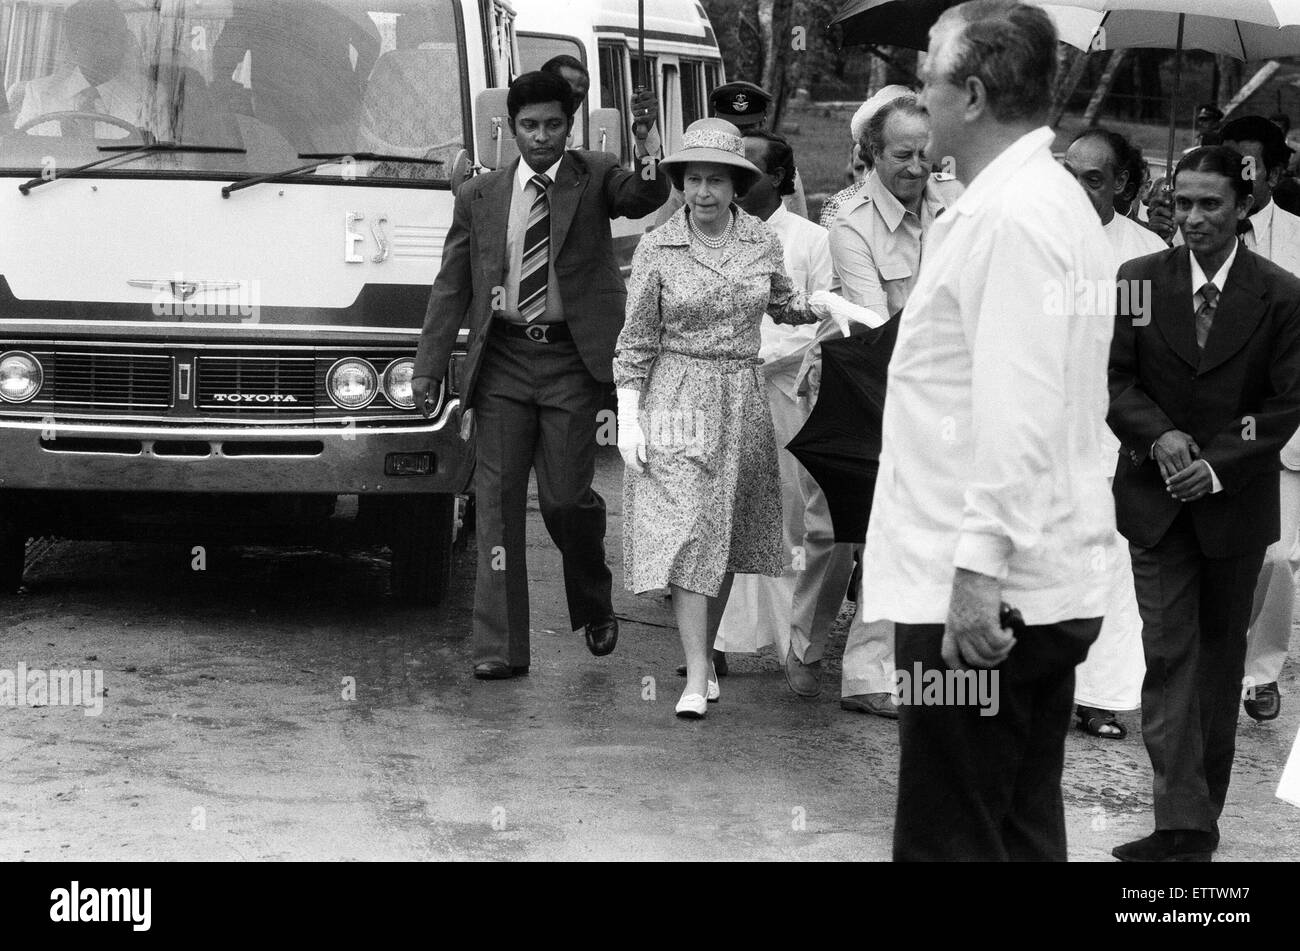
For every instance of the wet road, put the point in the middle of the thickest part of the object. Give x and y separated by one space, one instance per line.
226 733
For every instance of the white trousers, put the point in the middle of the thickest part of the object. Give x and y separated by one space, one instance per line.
806 599
1270 615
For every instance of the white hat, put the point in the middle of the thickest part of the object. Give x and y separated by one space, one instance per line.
858 125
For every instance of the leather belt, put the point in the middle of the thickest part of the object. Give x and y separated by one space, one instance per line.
537 333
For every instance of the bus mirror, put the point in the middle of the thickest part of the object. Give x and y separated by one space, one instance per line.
492 135
459 170
607 131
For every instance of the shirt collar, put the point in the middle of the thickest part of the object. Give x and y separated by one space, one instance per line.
1220 278
888 206
1002 168
524 173
1262 220
777 219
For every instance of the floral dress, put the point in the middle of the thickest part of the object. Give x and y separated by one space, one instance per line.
709 500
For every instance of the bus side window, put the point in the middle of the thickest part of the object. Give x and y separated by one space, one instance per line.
692 95
613 87
710 79
672 119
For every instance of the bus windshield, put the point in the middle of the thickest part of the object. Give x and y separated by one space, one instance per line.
276 78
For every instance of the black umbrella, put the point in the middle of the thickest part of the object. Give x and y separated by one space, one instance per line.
890 22
839 445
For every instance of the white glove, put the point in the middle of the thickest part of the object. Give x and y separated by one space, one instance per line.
631 438
843 312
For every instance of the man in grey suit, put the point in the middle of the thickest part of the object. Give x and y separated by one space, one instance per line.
529 267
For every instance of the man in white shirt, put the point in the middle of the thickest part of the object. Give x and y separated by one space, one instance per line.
97 78
804 602
1274 233
1111 677
876 244
991 488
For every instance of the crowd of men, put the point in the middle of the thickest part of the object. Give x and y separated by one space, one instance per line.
995 482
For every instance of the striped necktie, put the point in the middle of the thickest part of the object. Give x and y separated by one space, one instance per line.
1205 313
534 273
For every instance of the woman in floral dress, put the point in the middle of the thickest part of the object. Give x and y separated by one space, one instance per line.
701 490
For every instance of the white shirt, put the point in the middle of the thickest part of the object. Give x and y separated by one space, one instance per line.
808 262
122 97
1198 281
990 458
1130 240
521 203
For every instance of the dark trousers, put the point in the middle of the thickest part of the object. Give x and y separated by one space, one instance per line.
1195 612
988 788
535 408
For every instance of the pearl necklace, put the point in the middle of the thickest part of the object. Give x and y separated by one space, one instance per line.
710 242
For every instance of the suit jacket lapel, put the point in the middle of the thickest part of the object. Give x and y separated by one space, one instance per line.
1172 308
1241 307
570 182
492 219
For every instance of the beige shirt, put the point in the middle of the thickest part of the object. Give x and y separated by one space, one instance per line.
990 458
521 203
876 245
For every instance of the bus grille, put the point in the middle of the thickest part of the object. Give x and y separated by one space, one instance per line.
112 379
256 385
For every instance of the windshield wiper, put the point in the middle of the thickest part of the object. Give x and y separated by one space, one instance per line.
322 158
126 153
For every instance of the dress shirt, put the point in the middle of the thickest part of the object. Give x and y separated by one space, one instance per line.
1199 281
521 203
122 96
876 245
990 458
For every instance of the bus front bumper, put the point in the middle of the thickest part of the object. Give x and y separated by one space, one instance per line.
424 457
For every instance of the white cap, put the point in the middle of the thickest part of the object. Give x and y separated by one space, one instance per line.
858 125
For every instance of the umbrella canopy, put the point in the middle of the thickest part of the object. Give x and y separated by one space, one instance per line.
839 445
903 23
1243 29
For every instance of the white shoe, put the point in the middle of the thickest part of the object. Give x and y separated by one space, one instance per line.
714 692
692 707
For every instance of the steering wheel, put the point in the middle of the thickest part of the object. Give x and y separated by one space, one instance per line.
74 115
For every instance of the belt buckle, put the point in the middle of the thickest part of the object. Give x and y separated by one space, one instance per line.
537 333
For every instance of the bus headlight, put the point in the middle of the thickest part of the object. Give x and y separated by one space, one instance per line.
397 383
352 383
20 376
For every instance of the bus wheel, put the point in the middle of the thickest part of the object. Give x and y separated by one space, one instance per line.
420 536
13 555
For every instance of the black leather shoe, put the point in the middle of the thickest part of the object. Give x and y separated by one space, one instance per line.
719 664
1169 845
494 670
1266 704
602 636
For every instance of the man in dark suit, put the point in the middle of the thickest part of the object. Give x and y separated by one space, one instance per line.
1205 391
529 267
